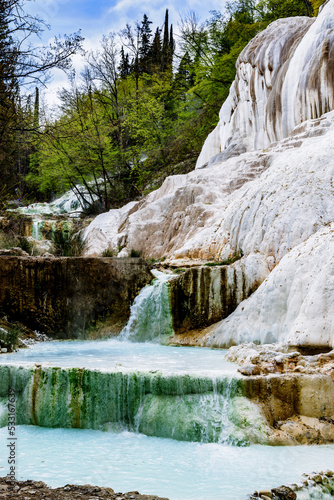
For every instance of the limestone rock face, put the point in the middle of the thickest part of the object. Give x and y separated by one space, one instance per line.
66 296
204 295
295 304
265 202
275 205
284 77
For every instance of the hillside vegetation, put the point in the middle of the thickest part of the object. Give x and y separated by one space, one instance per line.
139 112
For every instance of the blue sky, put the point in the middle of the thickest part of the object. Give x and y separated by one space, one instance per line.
98 17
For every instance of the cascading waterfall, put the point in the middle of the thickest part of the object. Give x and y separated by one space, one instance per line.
150 317
194 405
36 231
178 406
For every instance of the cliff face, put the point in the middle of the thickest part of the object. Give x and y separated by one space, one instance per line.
284 77
67 296
266 203
204 295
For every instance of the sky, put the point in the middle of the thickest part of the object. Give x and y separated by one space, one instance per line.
100 17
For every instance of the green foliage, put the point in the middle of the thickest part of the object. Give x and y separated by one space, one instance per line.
132 120
108 252
7 241
272 10
23 62
9 338
179 270
67 244
11 240
135 253
227 262
26 245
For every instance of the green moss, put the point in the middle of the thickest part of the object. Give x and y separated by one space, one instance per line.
227 262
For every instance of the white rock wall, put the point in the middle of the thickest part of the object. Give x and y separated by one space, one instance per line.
294 305
265 202
285 76
276 204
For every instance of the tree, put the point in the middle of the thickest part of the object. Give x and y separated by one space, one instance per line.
30 62
167 45
145 45
272 9
23 63
124 67
155 54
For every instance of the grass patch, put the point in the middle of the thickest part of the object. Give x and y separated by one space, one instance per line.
67 244
227 262
10 241
108 252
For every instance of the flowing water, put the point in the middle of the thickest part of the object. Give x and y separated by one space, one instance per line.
179 471
36 231
107 355
150 317
174 415
186 394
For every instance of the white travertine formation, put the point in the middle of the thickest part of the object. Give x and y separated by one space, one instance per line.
284 76
276 204
265 202
294 305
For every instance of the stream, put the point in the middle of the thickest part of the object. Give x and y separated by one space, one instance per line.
133 414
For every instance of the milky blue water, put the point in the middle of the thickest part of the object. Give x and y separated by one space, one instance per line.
111 354
180 471
127 461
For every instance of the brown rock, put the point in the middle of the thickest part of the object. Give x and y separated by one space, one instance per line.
284 493
250 370
266 493
30 490
68 295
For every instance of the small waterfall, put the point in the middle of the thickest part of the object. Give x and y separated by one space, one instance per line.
177 406
36 232
150 316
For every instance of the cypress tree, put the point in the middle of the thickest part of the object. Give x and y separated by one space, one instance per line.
171 47
145 45
124 67
36 109
165 44
155 54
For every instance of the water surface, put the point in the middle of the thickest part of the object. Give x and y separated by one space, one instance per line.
114 354
180 471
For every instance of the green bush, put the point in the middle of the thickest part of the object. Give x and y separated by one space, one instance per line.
9 338
67 244
26 245
135 253
108 252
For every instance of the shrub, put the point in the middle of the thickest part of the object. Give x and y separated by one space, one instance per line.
9 338
68 245
108 252
135 253
26 245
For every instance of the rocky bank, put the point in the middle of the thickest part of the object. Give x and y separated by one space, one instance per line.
37 490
